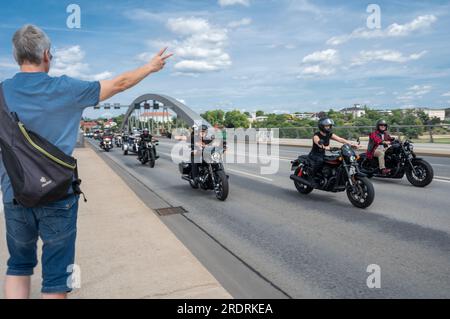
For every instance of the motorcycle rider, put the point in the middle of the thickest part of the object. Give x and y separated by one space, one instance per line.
379 140
197 145
321 143
145 137
106 134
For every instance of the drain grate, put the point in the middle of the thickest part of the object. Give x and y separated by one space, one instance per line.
171 211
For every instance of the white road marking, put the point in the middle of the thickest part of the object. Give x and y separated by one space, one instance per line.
249 174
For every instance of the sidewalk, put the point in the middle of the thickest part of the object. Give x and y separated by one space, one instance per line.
123 249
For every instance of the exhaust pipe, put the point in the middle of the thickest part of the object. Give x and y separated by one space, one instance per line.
186 178
301 180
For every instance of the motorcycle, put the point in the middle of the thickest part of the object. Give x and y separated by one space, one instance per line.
400 159
340 173
106 144
211 173
148 153
118 140
130 144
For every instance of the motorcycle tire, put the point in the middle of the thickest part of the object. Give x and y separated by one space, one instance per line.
424 166
222 193
152 159
301 188
365 186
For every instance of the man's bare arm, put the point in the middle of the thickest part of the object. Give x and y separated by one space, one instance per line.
127 80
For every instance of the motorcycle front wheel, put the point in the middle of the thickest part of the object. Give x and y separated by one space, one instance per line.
423 173
222 187
363 194
152 158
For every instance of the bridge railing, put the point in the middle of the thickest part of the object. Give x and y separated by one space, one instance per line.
439 133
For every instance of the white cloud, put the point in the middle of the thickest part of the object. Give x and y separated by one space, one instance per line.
394 30
386 56
415 92
419 90
446 94
201 47
320 63
318 69
225 3
70 61
240 23
325 56
188 26
418 23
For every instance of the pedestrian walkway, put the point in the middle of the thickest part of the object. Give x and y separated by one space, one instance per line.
123 248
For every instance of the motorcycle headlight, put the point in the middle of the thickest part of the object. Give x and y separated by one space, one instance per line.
352 158
216 157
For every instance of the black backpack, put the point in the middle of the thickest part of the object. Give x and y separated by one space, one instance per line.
40 173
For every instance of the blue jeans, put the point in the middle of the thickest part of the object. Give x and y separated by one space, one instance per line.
56 225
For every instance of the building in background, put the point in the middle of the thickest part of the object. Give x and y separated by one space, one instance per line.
158 117
356 111
435 113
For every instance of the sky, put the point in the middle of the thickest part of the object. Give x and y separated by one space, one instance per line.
272 55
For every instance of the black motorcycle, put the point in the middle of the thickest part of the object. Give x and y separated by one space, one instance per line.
211 173
106 144
340 173
400 159
148 153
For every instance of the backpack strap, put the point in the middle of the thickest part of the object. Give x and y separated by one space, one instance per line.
4 106
77 182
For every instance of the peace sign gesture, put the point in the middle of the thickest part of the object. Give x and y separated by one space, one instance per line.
159 61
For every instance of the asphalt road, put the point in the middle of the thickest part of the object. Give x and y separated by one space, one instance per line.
319 246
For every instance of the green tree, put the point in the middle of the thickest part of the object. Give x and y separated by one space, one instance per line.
236 119
259 113
215 117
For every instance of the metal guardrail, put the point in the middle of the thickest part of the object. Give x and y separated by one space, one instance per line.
353 132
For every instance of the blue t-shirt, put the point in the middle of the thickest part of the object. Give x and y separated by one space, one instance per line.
49 106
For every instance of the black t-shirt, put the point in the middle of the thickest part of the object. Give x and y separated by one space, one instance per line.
324 140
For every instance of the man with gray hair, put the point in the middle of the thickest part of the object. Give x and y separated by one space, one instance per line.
51 107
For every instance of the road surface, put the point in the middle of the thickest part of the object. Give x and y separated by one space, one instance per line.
315 246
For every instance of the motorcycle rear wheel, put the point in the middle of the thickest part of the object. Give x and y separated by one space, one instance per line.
301 188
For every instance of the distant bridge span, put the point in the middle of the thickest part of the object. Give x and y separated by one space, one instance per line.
183 112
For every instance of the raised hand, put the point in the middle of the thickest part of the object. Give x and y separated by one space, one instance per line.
159 61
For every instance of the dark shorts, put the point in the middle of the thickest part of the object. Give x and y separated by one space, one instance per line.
56 225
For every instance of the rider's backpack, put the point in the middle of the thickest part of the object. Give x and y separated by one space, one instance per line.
40 173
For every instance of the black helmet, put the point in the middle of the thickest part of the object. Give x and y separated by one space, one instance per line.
204 128
381 122
326 122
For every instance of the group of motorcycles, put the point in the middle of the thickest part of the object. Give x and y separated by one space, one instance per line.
347 171
211 174
343 171
131 144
